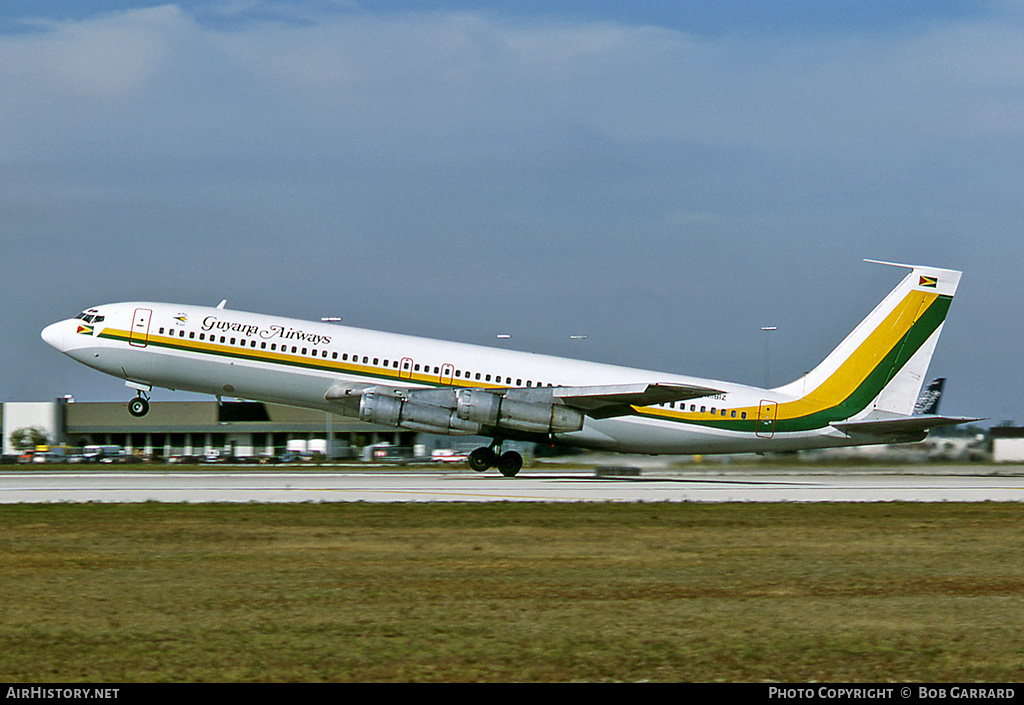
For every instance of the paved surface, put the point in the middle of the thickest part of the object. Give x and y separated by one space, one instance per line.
945 484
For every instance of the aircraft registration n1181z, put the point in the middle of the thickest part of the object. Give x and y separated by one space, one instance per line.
862 393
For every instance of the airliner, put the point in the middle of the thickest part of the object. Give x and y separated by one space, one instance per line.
862 393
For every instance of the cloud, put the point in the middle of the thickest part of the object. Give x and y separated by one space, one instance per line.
442 168
458 85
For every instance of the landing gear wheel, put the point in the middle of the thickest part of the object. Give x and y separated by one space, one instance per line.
481 459
138 407
510 463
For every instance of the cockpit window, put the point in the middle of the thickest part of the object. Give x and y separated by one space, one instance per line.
89 317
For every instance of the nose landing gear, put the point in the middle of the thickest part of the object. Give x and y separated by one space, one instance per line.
139 406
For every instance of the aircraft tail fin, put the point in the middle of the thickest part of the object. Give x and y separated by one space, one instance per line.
881 365
928 401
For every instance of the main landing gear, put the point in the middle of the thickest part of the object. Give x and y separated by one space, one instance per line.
508 463
139 406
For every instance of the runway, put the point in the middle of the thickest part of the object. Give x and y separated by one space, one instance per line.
967 484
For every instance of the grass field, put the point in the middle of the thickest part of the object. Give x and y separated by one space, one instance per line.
512 592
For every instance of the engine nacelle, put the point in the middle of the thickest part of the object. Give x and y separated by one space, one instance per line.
479 407
383 409
495 411
467 411
389 410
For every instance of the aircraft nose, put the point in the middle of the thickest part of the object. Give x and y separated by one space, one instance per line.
53 334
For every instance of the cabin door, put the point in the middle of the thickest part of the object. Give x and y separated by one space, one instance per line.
447 373
766 414
138 336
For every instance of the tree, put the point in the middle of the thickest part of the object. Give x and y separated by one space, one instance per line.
28 438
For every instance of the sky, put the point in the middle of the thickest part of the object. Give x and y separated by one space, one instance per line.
665 178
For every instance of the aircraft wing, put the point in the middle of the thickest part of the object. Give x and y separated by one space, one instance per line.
599 402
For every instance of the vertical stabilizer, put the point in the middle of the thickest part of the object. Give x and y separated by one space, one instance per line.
882 364
928 401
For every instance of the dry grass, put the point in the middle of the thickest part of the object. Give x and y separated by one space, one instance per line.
511 592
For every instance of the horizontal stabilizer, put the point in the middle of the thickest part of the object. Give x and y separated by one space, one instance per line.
601 402
908 425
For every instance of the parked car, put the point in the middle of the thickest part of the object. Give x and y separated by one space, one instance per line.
291 456
446 455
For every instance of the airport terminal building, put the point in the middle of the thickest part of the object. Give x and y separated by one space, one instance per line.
196 428
252 429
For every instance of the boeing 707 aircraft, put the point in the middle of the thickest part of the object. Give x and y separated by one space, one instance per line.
862 393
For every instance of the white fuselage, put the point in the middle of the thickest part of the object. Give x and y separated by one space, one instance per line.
266 358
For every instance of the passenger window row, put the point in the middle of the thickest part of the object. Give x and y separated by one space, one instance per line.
345 357
725 413
246 343
426 369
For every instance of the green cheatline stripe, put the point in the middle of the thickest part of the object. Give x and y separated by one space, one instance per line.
864 394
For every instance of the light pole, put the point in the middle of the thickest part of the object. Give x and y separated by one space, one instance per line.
767 355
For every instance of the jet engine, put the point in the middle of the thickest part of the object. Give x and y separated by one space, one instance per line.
390 410
465 412
494 410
